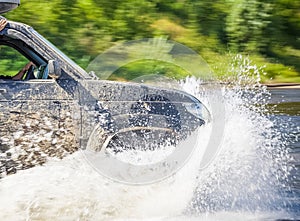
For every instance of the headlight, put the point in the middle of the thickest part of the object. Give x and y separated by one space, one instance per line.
198 110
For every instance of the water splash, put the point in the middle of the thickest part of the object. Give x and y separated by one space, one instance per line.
248 176
251 167
251 172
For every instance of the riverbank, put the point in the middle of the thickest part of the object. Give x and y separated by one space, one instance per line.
283 85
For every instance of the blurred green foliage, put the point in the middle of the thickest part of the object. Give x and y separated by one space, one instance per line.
11 61
266 30
148 67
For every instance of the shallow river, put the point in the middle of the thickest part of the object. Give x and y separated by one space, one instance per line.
254 177
287 109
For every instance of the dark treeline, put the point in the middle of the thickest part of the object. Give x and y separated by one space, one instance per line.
267 30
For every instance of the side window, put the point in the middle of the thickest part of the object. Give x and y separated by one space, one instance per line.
11 61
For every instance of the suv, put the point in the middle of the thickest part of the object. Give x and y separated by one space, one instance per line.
58 107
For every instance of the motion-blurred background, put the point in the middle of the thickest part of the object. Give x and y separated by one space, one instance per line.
268 31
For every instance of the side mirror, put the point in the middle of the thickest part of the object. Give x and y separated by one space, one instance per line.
54 70
8 5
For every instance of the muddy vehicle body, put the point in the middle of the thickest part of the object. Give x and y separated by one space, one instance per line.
56 108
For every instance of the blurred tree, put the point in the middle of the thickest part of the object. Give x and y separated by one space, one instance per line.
285 26
284 33
210 17
83 29
132 20
246 24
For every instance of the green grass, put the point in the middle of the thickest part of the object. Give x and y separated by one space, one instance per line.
224 66
276 72
149 67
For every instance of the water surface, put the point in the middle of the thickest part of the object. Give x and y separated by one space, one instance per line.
286 104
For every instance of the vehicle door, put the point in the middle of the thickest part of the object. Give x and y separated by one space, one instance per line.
37 120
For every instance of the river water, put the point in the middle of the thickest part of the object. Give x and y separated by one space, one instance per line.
254 177
286 103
